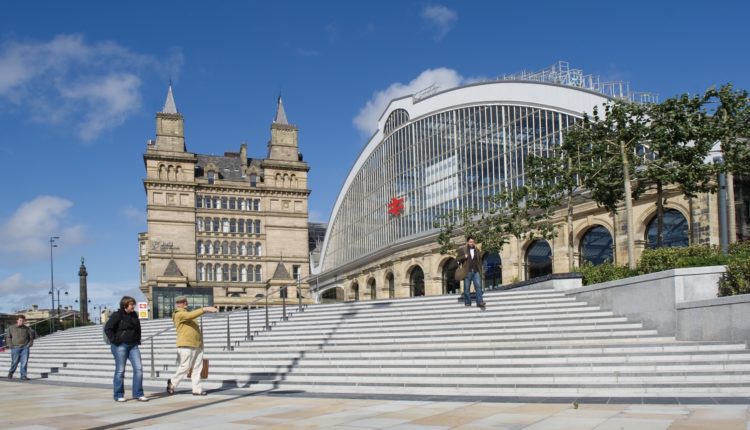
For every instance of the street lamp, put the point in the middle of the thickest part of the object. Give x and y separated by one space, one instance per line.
52 245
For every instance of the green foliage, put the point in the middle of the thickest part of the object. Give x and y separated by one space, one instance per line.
736 280
656 260
604 272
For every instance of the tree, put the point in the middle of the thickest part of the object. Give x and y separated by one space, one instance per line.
609 144
523 212
730 126
679 141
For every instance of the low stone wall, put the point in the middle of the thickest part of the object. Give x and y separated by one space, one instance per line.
679 302
722 318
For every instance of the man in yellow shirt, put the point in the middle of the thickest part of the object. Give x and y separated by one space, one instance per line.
189 345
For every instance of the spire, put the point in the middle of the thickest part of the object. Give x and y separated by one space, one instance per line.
169 106
280 114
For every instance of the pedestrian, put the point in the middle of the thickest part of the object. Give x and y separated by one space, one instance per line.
189 345
123 330
470 257
20 339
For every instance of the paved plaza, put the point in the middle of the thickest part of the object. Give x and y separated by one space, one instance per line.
38 405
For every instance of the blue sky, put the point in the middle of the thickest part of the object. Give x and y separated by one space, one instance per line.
80 83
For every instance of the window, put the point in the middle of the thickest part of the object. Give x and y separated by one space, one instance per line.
538 260
143 272
201 272
233 248
211 176
257 249
253 180
596 246
234 277
675 232
296 274
258 274
225 272
199 201
225 248
233 225
199 247
257 226
256 204
232 203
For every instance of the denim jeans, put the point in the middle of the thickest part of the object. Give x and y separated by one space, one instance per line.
476 278
19 355
122 353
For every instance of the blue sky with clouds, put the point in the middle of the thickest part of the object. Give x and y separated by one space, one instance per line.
80 83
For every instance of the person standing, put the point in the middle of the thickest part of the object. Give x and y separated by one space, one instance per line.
20 339
471 258
189 345
123 330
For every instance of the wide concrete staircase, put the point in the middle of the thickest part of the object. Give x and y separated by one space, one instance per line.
526 343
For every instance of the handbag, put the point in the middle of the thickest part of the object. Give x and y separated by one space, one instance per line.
204 371
460 272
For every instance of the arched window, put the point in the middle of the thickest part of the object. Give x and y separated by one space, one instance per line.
199 247
209 272
218 276
162 172
450 285
250 249
233 248
201 272
224 203
243 273
225 248
249 226
256 204
373 290
258 273
200 224
538 259
391 285
233 225
416 282
210 247
394 120
217 225
257 226
355 290
224 225
253 180
243 249
217 202
232 203
217 247
493 271
233 273
243 204
596 246
241 226
198 201
675 231
257 249
225 272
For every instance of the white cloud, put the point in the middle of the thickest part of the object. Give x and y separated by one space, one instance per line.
367 119
19 293
27 231
441 18
93 86
133 215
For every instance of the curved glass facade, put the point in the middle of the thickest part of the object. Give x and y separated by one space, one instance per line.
454 159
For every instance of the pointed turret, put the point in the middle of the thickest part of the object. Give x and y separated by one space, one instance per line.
170 127
280 114
283 144
169 105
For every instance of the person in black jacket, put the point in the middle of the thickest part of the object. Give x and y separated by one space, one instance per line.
123 329
470 257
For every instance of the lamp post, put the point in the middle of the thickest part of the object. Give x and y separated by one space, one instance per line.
52 245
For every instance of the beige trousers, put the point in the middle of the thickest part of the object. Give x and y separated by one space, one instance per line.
190 358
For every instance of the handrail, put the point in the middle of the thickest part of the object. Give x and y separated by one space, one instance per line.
151 338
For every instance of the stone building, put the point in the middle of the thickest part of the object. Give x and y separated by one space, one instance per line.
218 226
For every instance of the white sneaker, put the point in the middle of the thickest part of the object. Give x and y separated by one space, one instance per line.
120 399
143 399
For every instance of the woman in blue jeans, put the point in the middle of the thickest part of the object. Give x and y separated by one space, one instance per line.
123 329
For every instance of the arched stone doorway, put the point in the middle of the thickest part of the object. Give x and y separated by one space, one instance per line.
675 231
391 285
596 246
538 259
416 282
355 290
493 270
450 285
